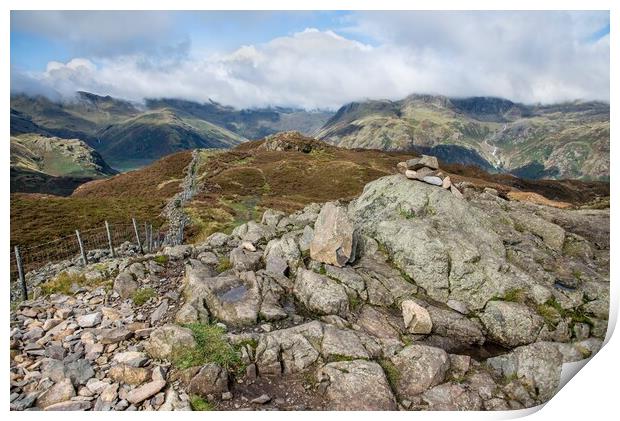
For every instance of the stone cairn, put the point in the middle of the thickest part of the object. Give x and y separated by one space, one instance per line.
426 169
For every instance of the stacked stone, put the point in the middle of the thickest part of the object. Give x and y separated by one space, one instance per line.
426 169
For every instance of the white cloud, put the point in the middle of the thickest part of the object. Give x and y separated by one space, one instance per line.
544 57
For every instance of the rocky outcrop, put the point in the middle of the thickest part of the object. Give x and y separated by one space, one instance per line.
449 303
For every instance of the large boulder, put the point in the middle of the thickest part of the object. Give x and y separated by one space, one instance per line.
233 299
333 242
511 324
166 340
289 350
210 380
537 367
419 367
445 245
356 386
60 392
125 285
320 294
282 256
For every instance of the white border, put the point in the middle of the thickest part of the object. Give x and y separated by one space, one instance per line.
591 394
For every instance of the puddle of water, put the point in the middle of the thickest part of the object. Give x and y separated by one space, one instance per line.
233 294
560 285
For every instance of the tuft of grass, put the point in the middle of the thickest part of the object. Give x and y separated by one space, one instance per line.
407 213
63 284
211 347
576 315
200 404
354 303
142 295
223 264
161 259
391 372
515 295
549 314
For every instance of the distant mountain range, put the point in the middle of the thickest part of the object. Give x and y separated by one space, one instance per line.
131 135
569 140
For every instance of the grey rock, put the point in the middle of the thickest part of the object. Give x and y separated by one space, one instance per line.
212 379
89 320
114 335
232 299
244 260
159 312
420 368
125 285
262 399
320 293
69 406
131 358
450 249
79 372
537 367
342 343
451 397
356 386
271 217
289 350
432 179
144 392
166 339
333 241
511 324
416 318
423 161
282 256
60 392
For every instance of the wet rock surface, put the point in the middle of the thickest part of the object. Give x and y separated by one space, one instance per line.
415 298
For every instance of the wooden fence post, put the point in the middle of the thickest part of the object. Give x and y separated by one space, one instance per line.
77 233
107 229
135 228
150 238
146 236
20 271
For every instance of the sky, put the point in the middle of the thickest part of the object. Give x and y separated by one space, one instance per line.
311 60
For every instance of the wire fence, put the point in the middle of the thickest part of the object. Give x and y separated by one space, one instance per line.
107 237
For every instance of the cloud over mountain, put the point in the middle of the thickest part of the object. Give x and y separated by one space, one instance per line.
524 56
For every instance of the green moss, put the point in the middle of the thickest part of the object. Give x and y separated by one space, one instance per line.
142 295
211 347
161 259
199 404
339 358
223 264
391 372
